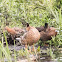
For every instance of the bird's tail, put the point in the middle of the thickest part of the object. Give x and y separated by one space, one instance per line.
18 39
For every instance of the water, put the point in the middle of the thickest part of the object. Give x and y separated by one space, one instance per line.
43 56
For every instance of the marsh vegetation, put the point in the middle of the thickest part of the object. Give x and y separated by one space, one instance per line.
16 13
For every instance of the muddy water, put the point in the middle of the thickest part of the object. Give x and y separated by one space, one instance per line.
42 57
45 57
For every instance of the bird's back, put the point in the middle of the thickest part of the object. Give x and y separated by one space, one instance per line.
32 36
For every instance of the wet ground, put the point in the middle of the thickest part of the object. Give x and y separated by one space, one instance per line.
45 55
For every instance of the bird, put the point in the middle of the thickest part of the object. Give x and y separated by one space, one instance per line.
45 36
31 36
47 33
14 32
19 29
43 28
11 31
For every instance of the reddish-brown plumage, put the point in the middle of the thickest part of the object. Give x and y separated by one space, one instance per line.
31 36
11 31
44 36
15 31
47 35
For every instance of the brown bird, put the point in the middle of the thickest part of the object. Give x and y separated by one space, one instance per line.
11 31
46 32
31 36
44 36
17 29
20 31
43 28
